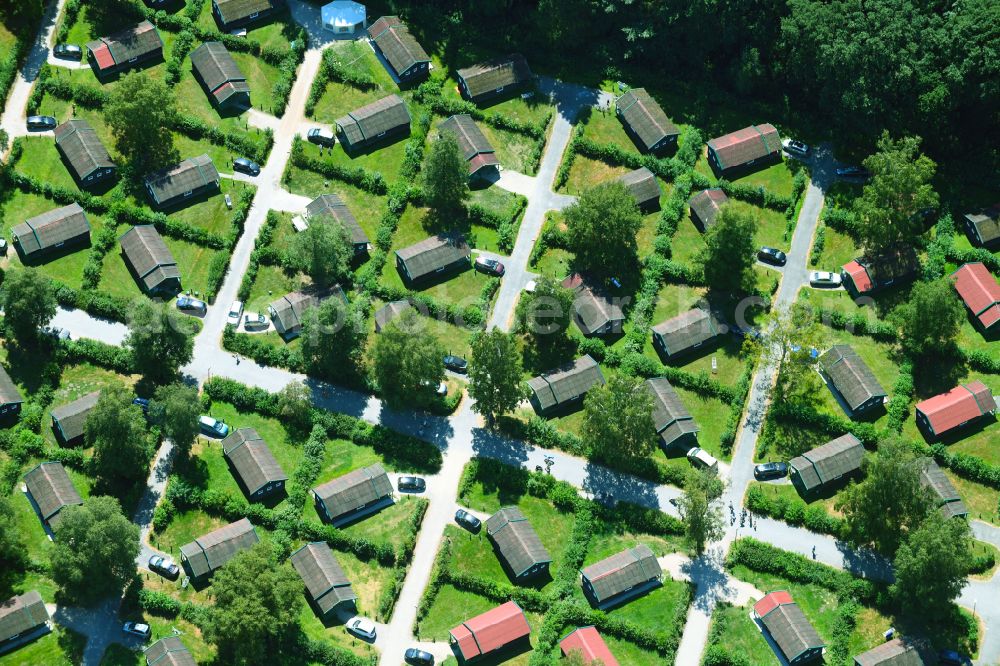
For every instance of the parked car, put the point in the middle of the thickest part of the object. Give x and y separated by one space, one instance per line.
467 520
853 172
252 320
235 312
952 658
530 286
164 566
189 303
140 629
246 165
3 246
212 427
772 255
440 389
41 122
824 279
797 148
418 657
771 470
321 137
363 627
143 404
68 51
489 266
412 483
57 332
703 459
456 363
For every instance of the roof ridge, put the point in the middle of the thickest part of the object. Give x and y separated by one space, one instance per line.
649 113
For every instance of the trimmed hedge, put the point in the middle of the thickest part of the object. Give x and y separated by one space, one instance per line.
370 181
794 512
860 323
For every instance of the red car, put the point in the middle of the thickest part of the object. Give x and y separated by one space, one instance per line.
489 266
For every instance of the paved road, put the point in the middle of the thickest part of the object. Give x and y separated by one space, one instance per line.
106 331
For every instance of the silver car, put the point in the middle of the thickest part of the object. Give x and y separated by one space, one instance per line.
824 279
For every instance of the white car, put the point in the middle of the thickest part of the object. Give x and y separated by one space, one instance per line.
824 279
361 626
139 629
253 320
235 311
703 459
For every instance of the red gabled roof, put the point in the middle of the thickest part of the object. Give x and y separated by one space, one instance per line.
590 643
745 145
771 601
980 291
963 403
859 274
102 55
482 160
491 631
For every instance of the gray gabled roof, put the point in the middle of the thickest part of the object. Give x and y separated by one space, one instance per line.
134 42
594 308
622 571
9 394
252 459
829 462
987 223
399 47
287 311
899 652
948 499
82 148
189 175
72 416
326 583
209 552
516 540
476 148
49 229
566 382
385 314
429 255
334 206
22 613
645 117
501 72
850 375
217 68
149 256
687 330
354 490
707 205
790 628
372 120
52 490
235 10
671 418
169 651
642 185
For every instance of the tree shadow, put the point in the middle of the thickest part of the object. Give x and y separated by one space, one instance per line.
501 469
938 372
33 365
609 486
548 353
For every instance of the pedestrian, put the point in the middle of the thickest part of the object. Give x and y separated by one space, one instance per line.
814 552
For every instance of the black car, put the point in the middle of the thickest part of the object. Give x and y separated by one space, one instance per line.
413 484
952 658
418 657
489 266
68 52
467 520
143 404
456 363
771 470
853 172
246 165
772 255
41 122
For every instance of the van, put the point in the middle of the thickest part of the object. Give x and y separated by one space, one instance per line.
701 459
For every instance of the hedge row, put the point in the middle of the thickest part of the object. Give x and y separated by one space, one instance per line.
430 93
413 153
506 227
793 511
262 241
239 143
859 323
102 243
615 155
97 303
370 181
902 394
390 593
793 412
758 195
569 157
473 316
970 467
332 69
982 361
818 244
9 65
112 357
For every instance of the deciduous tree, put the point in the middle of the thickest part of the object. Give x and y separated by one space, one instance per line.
160 340
601 228
94 556
140 112
28 302
729 253
930 320
11 543
618 419
546 313
333 336
445 175
295 406
407 360
117 430
788 336
323 251
932 564
495 374
700 508
176 408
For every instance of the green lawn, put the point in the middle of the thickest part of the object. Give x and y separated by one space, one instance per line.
334 631
740 635
770 224
193 261
41 160
340 99
512 149
629 654
368 579
210 212
186 527
454 339
554 263
586 173
386 526
271 283
532 110
838 249
777 178
981 500
192 98
367 208
473 554
605 127
273 33
386 159
649 611
62 647
221 156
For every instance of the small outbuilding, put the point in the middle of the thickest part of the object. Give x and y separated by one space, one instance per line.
150 260
400 49
644 188
983 228
486 80
948 500
84 153
621 577
564 386
685 333
645 122
476 148
22 618
504 627
385 314
52 490
706 206
899 652
287 312
344 18
327 586
50 232
10 397
589 643
230 14
169 651
331 205
203 556
353 495
517 544
253 464
179 183
220 76
788 627
673 422
433 257
125 49
865 275
594 310
745 149
827 464
373 124
68 420
850 378
980 292
946 412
